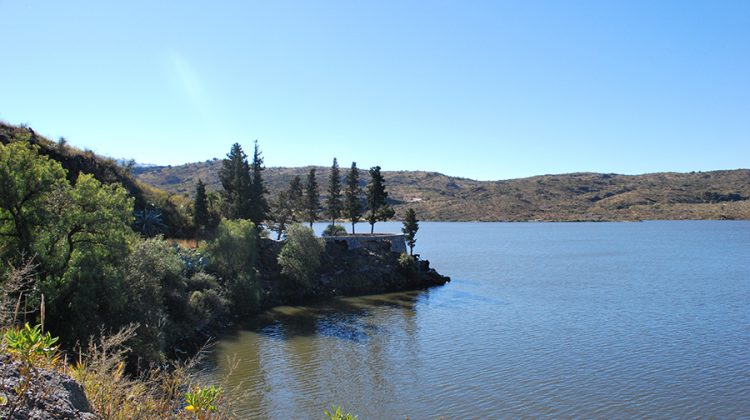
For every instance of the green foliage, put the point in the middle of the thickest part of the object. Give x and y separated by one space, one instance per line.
352 201
337 413
235 178
334 205
27 180
258 205
200 209
202 400
300 256
155 296
232 254
288 206
30 343
312 198
377 208
81 253
406 264
149 222
334 230
411 226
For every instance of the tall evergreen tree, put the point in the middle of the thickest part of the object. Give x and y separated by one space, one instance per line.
257 205
411 226
334 193
352 203
377 208
296 199
312 198
200 208
235 178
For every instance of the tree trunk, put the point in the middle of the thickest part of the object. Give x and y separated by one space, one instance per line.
353 227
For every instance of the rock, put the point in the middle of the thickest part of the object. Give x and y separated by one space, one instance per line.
52 396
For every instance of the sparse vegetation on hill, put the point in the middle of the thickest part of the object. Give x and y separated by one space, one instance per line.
568 197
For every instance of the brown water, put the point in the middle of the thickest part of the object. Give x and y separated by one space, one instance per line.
543 320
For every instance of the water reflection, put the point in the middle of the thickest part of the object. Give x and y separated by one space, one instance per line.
296 357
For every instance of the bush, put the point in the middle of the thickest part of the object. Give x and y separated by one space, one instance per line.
334 230
300 256
156 296
232 255
407 265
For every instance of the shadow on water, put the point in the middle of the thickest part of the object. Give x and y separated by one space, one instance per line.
343 318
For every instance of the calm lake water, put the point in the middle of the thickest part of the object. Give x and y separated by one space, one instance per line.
606 320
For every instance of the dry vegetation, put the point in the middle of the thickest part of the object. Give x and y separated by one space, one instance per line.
568 197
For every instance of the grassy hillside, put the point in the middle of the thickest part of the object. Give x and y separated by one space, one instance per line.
568 197
174 208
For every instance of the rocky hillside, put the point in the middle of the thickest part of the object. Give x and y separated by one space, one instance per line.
173 208
568 197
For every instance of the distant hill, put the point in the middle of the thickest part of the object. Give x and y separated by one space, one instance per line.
567 197
106 170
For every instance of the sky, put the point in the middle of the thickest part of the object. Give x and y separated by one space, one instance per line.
484 90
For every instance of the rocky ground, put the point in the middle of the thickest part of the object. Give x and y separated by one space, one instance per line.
344 271
52 395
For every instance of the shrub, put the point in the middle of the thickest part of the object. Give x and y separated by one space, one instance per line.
156 296
232 255
406 264
334 230
300 256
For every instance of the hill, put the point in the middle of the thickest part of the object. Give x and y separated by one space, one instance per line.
75 161
567 197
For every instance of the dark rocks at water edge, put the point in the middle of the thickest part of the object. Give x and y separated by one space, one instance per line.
51 396
368 266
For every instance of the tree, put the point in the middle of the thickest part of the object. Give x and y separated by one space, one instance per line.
312 198
78 235
352 203
296 199
27 180
300 256
411 226
334 193
258 205
377 208
232 255
288 206
200 208
282 212
235 178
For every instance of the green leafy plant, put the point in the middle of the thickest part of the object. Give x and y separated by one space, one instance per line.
337 413
31 344
202 401
300 256
334 230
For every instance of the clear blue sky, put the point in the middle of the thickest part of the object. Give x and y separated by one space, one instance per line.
486 90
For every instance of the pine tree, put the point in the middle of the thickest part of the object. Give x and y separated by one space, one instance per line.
312 198
296 199
334 193
352 204
281 212
411 226
287 208
235 178
200 208
377 208
257 205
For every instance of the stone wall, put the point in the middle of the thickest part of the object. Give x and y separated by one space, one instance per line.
396 242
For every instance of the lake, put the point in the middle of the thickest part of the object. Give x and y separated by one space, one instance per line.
606 320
